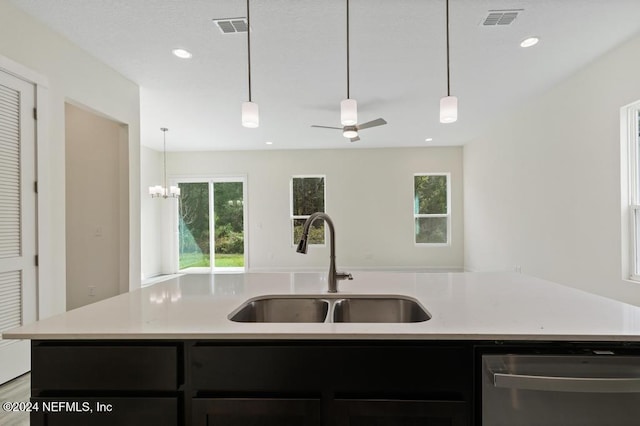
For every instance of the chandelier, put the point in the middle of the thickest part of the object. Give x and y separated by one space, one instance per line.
160 190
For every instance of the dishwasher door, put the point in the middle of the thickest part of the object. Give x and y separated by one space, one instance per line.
560 390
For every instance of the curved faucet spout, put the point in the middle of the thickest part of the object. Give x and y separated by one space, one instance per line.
303 245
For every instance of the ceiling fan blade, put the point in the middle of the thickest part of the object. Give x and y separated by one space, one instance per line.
327 127
357 138
373 123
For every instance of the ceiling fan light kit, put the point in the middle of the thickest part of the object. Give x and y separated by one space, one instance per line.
350 132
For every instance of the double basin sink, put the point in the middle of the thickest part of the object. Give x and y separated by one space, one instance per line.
331 308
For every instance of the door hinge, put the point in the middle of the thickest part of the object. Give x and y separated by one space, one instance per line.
37 260
35 113
35 187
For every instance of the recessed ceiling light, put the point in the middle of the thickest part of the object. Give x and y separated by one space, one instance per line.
428 139
182 54
269 143
530 41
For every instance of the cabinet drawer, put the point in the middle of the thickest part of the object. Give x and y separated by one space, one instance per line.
256 411
124 412
408 369
87 367
365 412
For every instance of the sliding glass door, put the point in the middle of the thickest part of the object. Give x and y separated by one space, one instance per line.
211 225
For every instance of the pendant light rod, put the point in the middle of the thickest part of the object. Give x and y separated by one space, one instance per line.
164 150
348 76
348 107
448 71
249 48
250 111
448 104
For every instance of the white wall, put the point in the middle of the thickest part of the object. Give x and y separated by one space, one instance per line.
543 189
152 224
369 197
72 75
94 201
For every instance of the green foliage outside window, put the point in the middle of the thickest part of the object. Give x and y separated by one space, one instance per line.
308 195
194 225
228 208
430 198
430 194
307 198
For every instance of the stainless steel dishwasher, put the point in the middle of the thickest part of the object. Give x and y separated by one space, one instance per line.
561 390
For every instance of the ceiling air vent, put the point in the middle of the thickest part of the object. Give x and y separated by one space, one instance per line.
501 17
232 25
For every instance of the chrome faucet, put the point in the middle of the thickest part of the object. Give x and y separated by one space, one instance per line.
304 244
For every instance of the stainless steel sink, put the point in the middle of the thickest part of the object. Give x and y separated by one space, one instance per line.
282 309
343 308
387 309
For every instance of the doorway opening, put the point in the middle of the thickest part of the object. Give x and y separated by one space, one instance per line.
97 206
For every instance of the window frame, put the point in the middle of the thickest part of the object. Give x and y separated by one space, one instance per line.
210 180
632 127
434 215
293 217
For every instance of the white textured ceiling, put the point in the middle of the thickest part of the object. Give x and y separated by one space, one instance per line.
398 63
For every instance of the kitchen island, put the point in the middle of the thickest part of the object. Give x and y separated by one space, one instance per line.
168 354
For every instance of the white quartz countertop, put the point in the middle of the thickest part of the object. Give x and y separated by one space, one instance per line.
463 306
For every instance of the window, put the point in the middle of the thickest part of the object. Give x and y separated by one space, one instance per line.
633 121
216 204
431 208
307 197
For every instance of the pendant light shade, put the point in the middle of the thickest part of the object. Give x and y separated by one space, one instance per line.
250 115
448 109
349 112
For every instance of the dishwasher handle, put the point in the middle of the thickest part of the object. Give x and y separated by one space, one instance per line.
567 384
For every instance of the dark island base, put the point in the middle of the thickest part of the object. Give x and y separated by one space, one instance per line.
279 383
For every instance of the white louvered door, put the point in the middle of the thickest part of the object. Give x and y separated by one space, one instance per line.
17 220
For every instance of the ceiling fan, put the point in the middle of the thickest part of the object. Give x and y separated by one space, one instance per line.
351 131
349 107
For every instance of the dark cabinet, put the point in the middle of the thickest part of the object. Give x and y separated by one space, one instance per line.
277 382
91 383
97 367
80 411
373 412
255 411
245 383
371 383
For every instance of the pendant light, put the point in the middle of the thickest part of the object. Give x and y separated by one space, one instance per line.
159 190
348 107
250 114
448 104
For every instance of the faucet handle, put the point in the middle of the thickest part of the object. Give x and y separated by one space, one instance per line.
344 276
